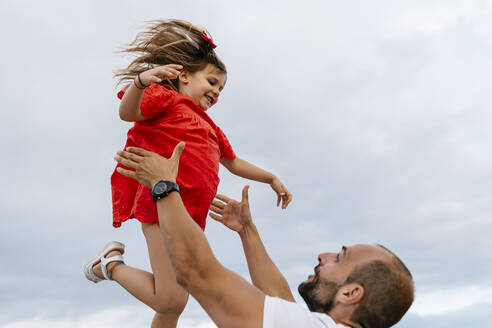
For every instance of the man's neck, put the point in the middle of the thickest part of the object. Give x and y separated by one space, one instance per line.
343 318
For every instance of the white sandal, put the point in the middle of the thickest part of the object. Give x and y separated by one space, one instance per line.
101 257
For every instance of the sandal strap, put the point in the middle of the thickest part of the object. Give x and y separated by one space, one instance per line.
89 273
105 261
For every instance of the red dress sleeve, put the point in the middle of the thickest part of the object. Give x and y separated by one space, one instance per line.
156 100
224 145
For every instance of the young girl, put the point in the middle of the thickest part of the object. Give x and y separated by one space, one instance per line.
174 79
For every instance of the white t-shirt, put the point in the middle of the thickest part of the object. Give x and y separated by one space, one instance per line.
279 313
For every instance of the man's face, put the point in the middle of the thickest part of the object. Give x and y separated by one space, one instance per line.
320 290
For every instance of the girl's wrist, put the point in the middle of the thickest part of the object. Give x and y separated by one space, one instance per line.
138 82
135 84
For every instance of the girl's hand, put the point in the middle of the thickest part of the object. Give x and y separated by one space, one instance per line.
282 192
234 215
157 74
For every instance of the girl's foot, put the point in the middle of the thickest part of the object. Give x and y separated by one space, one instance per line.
97 268
101 266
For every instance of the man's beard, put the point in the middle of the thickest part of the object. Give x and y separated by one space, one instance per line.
319 294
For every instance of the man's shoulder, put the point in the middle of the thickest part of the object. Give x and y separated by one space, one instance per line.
280 313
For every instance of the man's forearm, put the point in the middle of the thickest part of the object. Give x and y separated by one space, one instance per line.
264 273
187 246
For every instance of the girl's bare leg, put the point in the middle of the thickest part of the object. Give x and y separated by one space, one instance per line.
159 290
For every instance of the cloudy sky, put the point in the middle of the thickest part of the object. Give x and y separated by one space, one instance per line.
375 114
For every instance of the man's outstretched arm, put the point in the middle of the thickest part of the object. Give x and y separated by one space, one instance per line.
229 300
264 273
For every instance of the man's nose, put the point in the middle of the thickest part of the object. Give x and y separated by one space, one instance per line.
325 257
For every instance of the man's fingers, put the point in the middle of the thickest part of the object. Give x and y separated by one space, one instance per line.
218 204
126 162
130 156
245 198
127 173
215 217
223 198
216 209
178 150
138 151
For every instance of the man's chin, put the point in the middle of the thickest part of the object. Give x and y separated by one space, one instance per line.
308 291
305 289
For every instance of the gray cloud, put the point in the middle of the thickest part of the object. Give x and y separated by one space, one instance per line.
376 118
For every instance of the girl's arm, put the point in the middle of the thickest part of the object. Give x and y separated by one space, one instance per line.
244 169
130 103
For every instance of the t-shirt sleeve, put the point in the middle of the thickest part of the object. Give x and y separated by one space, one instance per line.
224 145
278 313
156 100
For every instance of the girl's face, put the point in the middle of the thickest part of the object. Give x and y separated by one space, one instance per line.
204 86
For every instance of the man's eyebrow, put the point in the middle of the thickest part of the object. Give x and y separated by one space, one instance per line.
344 251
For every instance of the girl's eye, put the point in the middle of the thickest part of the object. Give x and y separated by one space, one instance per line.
211 82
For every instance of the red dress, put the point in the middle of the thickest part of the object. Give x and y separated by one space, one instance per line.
171 118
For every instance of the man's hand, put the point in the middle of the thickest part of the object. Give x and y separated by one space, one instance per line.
282 193
149 167
234 215
264 273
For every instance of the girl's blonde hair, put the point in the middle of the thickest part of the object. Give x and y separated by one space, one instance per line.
169 42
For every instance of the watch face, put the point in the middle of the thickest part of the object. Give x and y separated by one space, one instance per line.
160 187
163 188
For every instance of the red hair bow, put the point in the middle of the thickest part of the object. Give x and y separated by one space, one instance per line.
207 37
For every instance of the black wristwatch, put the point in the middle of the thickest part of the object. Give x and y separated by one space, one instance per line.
163 188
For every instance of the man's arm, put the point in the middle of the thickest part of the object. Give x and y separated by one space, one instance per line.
227 298
264 273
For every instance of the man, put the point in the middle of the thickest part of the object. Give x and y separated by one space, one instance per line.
360 286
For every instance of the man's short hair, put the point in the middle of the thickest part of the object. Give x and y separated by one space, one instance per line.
388 292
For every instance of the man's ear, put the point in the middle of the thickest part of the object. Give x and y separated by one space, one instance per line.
351 293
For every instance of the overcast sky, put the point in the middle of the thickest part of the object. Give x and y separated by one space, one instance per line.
375 114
